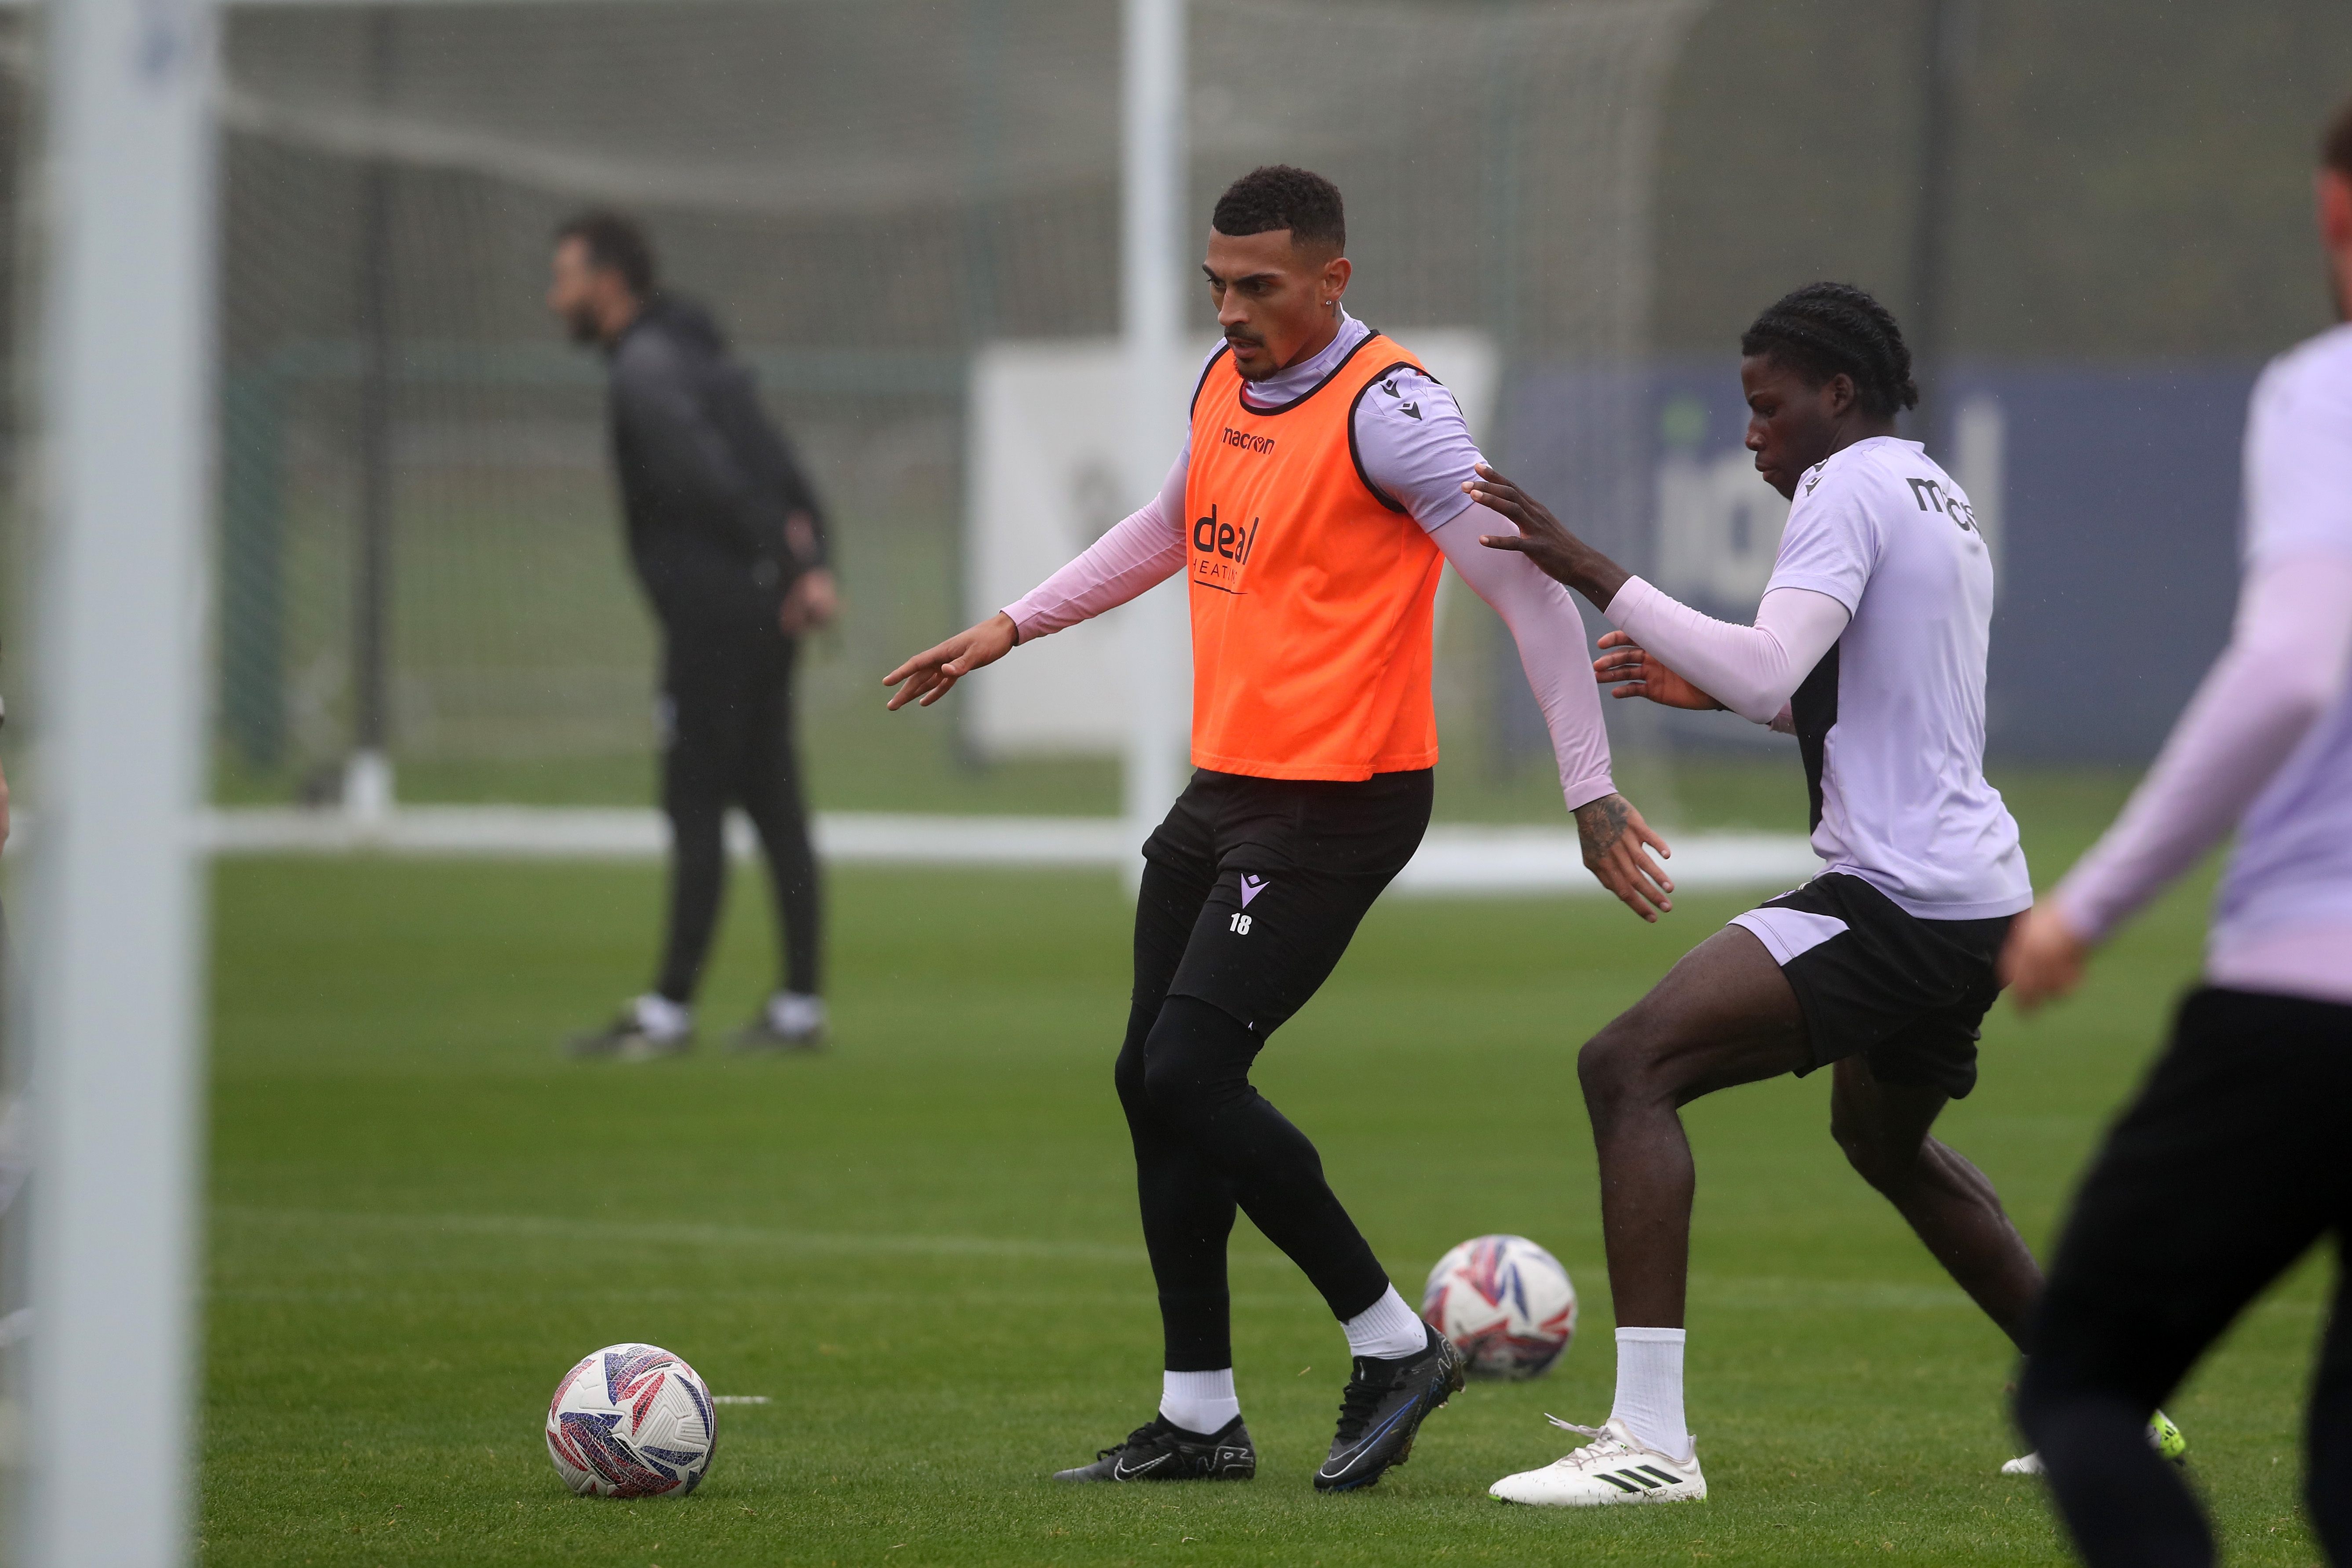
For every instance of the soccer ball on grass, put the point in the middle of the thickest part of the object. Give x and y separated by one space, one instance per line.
1506 1303
631 1421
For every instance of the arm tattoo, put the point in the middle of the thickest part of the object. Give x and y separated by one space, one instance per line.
1599 826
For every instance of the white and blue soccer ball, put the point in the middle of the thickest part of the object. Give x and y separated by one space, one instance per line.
1506 1304
631 1421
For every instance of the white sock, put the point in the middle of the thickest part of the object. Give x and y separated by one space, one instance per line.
662 1018
1650 1389
1199 1402
795 1012
1387 1328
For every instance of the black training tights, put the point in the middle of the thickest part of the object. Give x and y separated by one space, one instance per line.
1207 1141
729 742
2227 1168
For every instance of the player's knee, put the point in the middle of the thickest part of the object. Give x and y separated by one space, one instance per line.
1614 1068
1170 1084
1192 1063
1184 1091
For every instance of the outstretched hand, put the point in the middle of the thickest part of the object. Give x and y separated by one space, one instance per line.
932 673
1544 540
2043 958
1617 843
1623 660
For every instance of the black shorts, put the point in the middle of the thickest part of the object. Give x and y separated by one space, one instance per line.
1284 871
1878 982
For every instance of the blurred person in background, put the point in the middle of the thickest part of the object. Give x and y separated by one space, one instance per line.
729 543
2229 1165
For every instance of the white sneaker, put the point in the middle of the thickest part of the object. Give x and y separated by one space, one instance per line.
1613 1467
796 1017
2162 1435
788 1022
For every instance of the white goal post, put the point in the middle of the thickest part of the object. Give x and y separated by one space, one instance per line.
111 926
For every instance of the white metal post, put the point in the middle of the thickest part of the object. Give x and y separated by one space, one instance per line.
111 927
1151 302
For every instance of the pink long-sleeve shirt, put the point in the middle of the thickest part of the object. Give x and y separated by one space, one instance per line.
1417 448
2266 743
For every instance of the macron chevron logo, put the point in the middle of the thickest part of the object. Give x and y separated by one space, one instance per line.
1250 888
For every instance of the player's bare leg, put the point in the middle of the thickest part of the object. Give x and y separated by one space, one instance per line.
1727 1014
1884 1129
1724 1015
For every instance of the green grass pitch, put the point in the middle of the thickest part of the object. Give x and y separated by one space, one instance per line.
922 1246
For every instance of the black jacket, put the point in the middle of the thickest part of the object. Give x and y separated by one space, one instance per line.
707 480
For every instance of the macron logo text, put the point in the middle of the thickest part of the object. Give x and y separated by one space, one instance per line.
1248 442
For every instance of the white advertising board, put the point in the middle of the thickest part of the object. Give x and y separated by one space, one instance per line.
1046 430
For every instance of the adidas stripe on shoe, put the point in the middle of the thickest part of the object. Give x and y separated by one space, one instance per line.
1613 1467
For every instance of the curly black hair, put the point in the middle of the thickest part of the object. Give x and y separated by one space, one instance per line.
1823 328
1276 195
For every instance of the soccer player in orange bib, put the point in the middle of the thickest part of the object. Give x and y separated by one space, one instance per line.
1319 494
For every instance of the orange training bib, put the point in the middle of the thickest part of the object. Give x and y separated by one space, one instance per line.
1311 592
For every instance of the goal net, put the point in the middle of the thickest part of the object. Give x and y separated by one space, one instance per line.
878 198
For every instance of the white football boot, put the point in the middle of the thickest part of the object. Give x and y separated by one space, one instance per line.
1613 1467
2162 1435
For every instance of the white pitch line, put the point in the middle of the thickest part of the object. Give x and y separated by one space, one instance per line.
1455 859
758 1238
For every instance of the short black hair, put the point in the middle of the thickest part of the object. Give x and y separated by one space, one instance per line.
615 240
1276 195
2335 142
1823 328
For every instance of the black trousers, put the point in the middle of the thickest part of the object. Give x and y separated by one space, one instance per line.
1252 890
2227 1168
728 740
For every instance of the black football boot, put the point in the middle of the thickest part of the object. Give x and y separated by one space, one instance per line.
625 1039
1383 1407
1160 1450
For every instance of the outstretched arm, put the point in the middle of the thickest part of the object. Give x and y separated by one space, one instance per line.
1542 539
1751 670
2285 665
1138 553
1544 623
